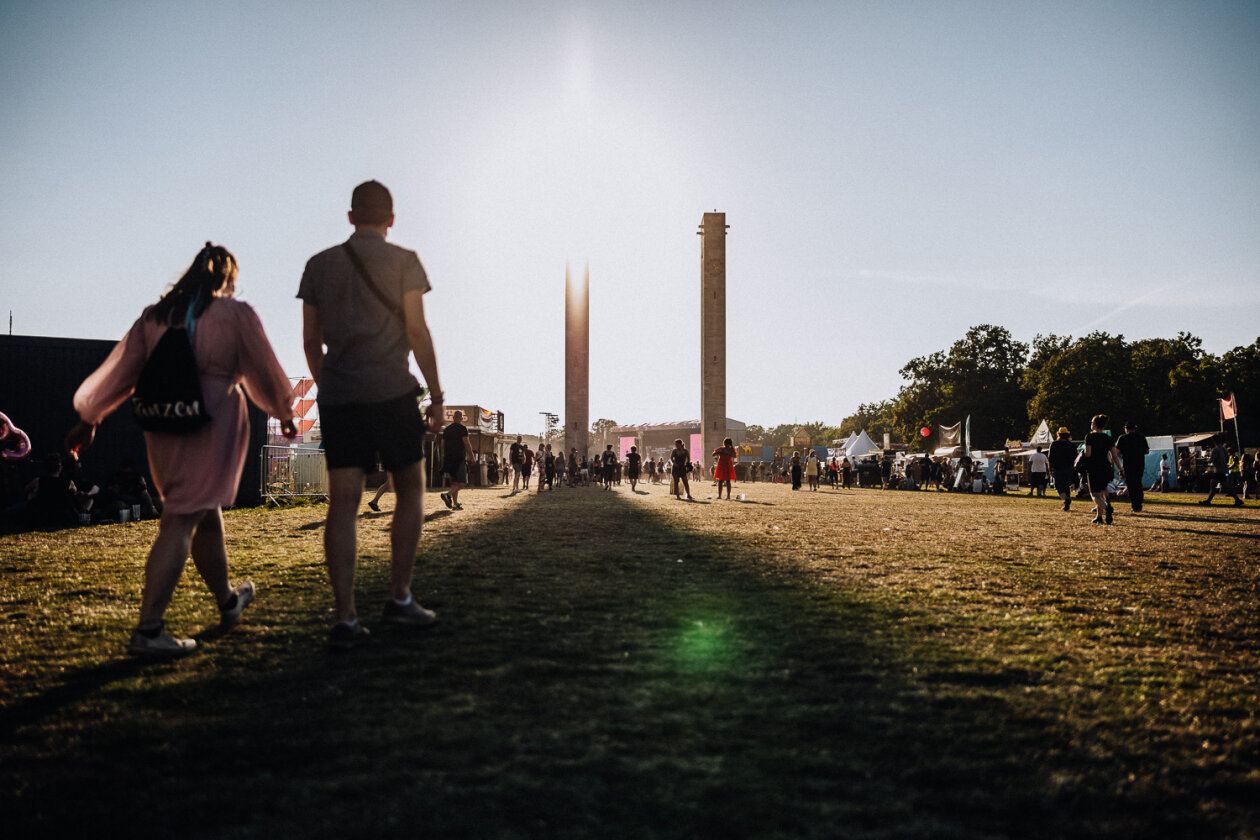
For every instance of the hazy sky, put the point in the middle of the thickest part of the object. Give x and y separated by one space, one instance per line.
892 173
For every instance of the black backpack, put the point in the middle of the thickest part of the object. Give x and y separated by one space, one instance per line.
168 394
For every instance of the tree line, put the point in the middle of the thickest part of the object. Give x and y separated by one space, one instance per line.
1166 386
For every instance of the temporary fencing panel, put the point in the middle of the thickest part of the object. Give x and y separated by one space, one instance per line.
293 471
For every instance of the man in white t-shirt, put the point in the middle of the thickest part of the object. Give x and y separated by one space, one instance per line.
1038 473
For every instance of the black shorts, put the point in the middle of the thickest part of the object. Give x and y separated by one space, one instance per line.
356 433
1099 478
458 472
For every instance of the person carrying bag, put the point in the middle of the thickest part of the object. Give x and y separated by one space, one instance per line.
196 452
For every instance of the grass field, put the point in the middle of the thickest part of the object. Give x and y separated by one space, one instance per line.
859 664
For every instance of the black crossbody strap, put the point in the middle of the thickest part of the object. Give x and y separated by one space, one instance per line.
371 284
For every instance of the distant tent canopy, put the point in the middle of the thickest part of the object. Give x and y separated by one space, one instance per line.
860 445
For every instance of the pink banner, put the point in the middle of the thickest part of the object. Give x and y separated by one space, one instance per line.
697 448
626 443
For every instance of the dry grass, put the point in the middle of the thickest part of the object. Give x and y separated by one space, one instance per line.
862 664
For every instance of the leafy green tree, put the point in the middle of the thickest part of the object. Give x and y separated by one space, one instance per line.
1160 404
981 376
1240 375
781 435
1091 375
599 433
756 434
875 418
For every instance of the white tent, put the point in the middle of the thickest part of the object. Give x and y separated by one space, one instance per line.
860 445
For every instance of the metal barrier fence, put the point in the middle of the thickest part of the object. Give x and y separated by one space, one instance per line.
289 472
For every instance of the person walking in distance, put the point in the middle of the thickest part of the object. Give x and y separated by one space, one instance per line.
725 457
456 455
1133 451
362 315
1161 483
1220 478
548 468
1099 456
680 464
634 462
562 466
516 456
1063 464
610 466
1038 473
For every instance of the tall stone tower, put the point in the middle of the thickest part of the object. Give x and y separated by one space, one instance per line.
577 367
712 332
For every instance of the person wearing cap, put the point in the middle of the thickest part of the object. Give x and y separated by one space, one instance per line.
1062 457
1133 451
362 316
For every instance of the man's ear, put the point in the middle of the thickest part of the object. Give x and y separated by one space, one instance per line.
350 216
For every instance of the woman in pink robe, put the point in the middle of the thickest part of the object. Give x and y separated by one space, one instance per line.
196 473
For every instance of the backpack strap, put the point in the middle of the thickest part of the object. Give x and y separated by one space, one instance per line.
394 308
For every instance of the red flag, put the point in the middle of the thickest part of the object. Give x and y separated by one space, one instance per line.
1229 408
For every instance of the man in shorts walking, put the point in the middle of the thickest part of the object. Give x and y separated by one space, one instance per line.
456 453
516 456
362 315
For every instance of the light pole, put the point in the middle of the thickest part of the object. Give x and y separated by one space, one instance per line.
549 424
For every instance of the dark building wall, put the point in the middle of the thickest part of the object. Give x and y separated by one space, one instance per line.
38 378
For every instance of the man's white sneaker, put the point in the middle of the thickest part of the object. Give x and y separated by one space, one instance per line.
411 613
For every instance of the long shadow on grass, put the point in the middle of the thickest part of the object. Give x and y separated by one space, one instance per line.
597 672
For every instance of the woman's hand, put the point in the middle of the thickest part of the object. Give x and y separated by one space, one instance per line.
288 429
80 437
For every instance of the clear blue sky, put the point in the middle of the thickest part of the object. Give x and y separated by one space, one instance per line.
892 173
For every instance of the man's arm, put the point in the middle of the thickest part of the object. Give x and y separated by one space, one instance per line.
313 341
422 347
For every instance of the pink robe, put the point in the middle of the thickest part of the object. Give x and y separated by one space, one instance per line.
202 470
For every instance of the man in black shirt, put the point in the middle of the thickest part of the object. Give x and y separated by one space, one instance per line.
1133 450
516 456
456 453
1062 457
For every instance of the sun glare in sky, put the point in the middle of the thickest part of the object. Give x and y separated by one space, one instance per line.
893 173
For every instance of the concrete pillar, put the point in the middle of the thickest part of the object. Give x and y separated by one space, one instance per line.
712 332
577 371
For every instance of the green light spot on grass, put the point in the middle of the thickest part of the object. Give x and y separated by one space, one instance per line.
706 644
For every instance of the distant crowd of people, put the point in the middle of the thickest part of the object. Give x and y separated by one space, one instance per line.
545 469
